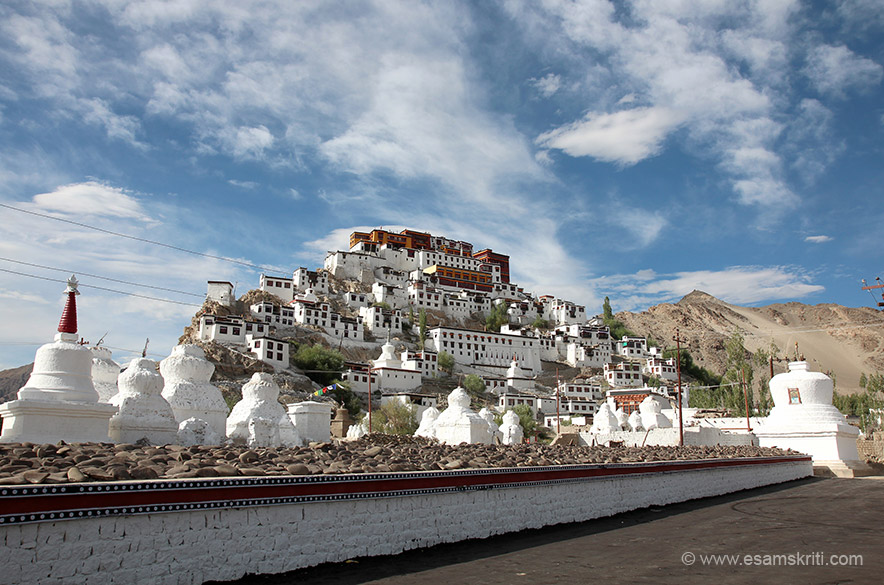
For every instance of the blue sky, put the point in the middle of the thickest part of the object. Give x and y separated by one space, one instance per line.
635 149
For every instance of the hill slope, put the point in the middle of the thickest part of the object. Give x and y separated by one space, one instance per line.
842 340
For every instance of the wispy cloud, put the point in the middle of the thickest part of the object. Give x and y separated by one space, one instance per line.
91 198
736 284
818 239
624 137
547 85
836 70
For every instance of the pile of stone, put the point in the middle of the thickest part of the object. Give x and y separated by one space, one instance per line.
27 463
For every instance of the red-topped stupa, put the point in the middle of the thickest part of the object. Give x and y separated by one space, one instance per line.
59 401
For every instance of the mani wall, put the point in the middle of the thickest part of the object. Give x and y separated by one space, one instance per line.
190 531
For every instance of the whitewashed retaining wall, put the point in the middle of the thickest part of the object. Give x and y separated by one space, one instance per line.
194 546
696 436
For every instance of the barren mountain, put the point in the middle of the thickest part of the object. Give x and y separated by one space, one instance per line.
842 340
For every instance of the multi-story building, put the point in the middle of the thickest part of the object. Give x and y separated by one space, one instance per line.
279 286
632 347
380 321
221 292
304 280
623 374
273 314
663 369
270 350
485 347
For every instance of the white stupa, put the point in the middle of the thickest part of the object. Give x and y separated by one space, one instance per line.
186 374
604 421
144 415
516 378
59 401
427 427
651 414
511 429
458 424
259 420
105 372
496 435
634 422
804 419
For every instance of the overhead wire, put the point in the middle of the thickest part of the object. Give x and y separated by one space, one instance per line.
101 288
137 239
181 292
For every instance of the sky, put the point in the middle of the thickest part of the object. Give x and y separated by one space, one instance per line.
636 149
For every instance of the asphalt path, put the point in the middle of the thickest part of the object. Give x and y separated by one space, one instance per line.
811 531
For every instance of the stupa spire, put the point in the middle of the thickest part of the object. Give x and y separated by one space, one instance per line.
68 322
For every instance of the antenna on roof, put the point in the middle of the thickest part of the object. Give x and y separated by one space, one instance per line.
100 341
144 351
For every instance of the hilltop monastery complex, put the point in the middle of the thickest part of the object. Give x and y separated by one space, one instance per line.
410 272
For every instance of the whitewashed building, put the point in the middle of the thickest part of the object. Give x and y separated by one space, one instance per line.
485 347
221 292
623 374
380 321
303 279
277 285
270 350
632 347
663 369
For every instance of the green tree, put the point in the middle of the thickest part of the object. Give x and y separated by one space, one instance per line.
863 380
540 323
526 419
738 369
474 384
394 418
617 328
422 328
497 317
446 362
319 363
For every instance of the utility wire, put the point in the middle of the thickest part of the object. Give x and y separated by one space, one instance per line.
102 288
137 239
181 292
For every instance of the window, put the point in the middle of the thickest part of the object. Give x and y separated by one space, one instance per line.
236 330
279 357
257 343
222 329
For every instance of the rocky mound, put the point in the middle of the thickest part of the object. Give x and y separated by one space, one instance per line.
26 463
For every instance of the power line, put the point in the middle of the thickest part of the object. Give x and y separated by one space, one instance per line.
137 239
181 292
102 288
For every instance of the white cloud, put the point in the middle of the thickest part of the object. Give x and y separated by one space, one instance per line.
737 284
711 70
642 227
249 185
91 198
834 70
547 85
624 137
818 239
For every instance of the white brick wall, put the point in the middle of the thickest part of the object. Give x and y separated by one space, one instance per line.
195 546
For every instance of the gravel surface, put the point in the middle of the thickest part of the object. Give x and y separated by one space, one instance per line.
27 463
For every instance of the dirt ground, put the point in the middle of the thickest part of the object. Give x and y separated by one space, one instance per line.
791 533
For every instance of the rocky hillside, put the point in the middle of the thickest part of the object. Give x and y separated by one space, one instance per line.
842 340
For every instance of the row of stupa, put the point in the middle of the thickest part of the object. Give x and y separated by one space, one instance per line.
60 401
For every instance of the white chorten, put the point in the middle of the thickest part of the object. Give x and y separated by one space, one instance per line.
488 416
458 424
358 430
427 425
105 372
516 377
651 414
259 420
804 419
59 401
143 412
622 418
186 373
311 420
634 422
511 429
604 420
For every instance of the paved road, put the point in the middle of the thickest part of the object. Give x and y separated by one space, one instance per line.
811 520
